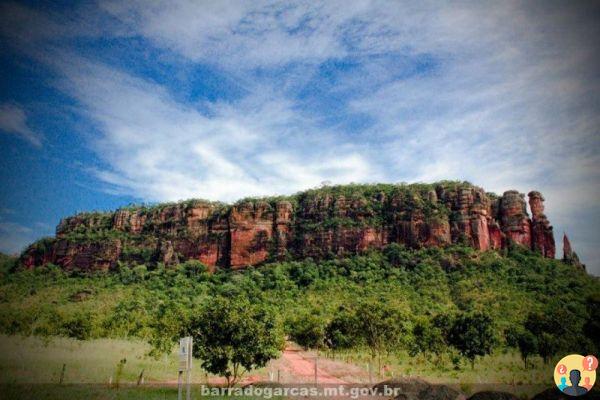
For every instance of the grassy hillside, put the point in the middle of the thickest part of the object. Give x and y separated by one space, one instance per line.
518 290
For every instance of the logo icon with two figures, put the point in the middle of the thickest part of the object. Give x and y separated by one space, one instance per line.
575 374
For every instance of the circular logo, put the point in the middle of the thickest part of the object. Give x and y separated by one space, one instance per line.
575 374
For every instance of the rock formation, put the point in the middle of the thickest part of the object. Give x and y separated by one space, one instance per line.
542 237
319 223
569 256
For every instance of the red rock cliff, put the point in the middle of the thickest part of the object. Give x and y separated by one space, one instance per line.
319 223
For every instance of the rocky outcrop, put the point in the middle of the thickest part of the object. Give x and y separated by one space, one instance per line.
514 220
91 256
327 222
569 256
542 236
250 233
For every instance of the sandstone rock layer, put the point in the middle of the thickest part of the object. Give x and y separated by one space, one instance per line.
319 223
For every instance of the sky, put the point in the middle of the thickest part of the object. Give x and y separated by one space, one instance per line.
108 103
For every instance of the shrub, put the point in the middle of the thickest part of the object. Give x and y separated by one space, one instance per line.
308 330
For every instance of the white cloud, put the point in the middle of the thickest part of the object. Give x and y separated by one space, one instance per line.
160 149
13 120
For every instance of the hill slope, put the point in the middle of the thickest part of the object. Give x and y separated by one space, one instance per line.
519 289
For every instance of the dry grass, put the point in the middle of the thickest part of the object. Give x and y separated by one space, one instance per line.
37 361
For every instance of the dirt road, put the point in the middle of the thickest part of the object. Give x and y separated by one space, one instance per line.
302 369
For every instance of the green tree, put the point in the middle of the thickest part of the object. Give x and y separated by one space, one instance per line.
380 326
427 338
472 334
591 328
308 330
525 341
552 330
232 336
170 319
341 332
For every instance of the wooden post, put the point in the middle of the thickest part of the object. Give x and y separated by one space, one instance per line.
179 385
188 390
278 376
140 379
316 367
62 374
185 365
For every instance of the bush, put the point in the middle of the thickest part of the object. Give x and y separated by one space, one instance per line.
308 330
78 326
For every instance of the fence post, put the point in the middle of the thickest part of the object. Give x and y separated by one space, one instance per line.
179 385
140 378
62 374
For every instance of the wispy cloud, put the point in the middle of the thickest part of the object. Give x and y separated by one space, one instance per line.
14 237
13 120
163 150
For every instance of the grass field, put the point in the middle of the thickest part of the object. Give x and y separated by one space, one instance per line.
31 368
499 368
34 360
40 361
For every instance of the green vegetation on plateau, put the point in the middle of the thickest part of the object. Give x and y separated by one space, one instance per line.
453 304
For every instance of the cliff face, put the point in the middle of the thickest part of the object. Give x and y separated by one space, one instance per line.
332 221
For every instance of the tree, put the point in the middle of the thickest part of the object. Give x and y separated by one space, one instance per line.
525 341
341 331
380 326
169 320
308 330
472 334
551 328
232 336
591 327
78 326
427 338
372 323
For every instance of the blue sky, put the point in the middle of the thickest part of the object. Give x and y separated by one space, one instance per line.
107 103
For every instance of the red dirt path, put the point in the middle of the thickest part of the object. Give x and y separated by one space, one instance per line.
303 369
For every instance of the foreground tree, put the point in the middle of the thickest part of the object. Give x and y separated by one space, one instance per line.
556 330
427 338
232 336
525 341
472 334
381 326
